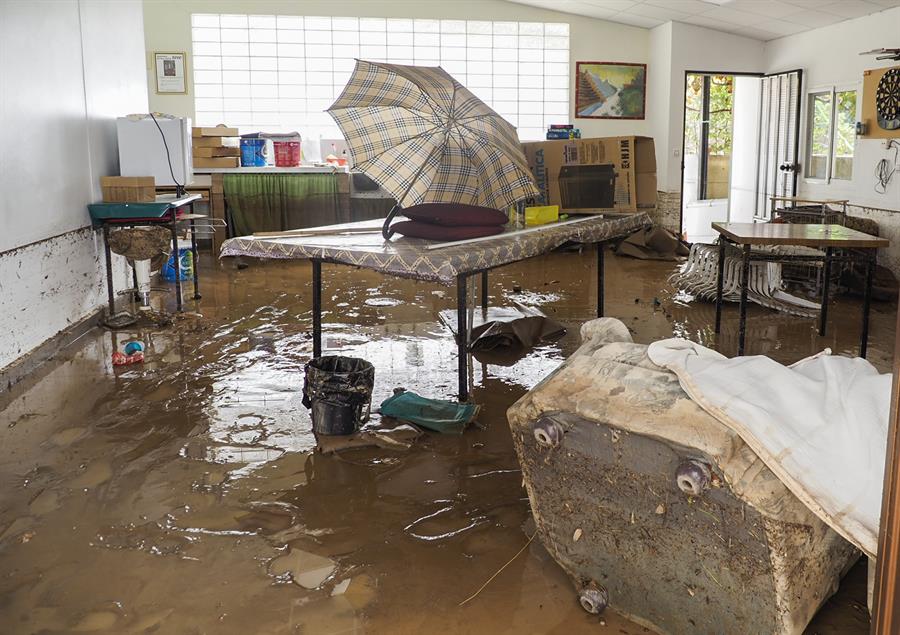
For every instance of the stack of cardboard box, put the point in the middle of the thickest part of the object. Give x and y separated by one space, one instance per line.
588 176
217 147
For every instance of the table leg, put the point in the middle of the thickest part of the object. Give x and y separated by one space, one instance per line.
317 306
826 280
176 262
719 283
484 290
110 294
134 283
745 282
600 280
462 335
194 255
867 305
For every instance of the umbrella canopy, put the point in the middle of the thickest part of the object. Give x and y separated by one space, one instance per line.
425 138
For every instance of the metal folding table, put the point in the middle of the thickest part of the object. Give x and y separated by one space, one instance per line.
351 244
164 211
823 237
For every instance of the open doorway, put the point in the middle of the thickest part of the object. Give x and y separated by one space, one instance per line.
721 135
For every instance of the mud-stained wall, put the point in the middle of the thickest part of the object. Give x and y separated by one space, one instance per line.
49 286
71 67
667 213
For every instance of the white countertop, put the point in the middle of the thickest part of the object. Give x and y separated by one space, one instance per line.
176 202
271 169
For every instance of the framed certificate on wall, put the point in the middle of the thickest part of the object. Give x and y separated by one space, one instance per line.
170 72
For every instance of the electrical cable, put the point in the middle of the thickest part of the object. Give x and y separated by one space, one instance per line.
179 187
884 170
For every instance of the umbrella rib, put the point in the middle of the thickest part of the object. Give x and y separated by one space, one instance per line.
474 133
434 150
418 136
424 115
474 157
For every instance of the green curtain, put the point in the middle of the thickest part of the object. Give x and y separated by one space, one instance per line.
276 202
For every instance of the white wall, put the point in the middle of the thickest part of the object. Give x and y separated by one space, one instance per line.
68 68
695 48
830 56
659 94
167 25
745 144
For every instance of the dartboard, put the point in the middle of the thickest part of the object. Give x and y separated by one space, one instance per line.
887 100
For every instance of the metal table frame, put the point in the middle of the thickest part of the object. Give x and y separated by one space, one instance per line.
169 219
827 258
461 308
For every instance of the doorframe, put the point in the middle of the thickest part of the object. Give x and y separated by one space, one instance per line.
761 214
683 126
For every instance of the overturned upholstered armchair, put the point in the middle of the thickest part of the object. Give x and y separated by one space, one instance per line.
657 508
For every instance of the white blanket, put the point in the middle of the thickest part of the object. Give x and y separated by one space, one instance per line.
820 425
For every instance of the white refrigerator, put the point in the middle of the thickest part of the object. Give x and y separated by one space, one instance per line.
143 153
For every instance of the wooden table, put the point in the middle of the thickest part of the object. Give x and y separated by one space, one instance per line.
823 237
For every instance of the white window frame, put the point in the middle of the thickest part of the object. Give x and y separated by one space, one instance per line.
521 69
831 90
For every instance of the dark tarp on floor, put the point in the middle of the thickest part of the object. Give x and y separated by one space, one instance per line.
652 243
524 332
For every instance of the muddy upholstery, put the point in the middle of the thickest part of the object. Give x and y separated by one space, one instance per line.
741 556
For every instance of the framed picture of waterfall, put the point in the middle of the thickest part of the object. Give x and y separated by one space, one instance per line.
610 90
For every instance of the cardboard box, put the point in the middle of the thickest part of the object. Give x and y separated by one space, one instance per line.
217 162
594 175
218 151
216 142
128 189
216 131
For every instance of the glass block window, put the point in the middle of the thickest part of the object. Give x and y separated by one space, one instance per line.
279 73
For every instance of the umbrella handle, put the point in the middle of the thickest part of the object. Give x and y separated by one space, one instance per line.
386 230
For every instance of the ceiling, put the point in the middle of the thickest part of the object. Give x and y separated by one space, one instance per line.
759 19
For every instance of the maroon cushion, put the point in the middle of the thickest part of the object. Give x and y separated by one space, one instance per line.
453 214
416 229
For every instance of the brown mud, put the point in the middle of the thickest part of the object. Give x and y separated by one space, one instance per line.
184 496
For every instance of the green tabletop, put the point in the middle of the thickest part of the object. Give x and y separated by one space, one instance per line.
102 212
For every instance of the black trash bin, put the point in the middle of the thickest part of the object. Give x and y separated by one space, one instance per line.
338 390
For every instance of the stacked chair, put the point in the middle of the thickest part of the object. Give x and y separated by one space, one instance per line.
699 273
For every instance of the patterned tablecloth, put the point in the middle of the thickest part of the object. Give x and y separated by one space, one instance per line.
408 257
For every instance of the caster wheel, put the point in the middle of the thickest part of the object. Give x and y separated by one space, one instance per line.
693 477
593 598
548 433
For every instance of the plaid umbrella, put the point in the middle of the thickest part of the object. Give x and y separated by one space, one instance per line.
425 138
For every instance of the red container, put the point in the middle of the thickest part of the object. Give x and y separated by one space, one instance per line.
287 154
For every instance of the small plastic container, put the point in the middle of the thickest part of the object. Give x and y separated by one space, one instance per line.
185 264
253 153
287 154
541 215
338 390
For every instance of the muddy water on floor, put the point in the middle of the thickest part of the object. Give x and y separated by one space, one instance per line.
184 496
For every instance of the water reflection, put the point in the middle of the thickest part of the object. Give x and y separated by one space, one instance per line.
185 495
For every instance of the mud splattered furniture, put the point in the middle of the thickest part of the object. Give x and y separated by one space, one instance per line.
821 237
351 244
165 211
653 506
